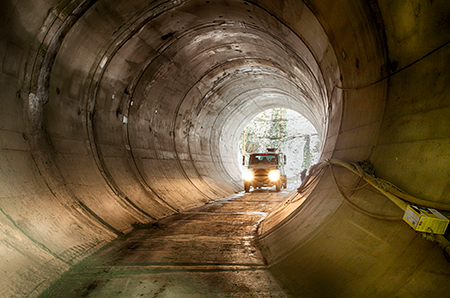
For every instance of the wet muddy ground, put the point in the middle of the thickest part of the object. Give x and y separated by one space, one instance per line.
207 251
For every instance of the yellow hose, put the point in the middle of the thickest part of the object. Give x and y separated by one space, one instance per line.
359 209
392 192
358 171
396 197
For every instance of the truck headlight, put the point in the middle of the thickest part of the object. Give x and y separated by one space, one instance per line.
274 175
248 175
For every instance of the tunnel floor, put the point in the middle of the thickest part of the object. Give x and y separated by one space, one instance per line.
208 251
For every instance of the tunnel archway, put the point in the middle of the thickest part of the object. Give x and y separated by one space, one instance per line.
175 101
124 113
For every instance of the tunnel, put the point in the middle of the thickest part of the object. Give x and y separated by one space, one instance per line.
118 113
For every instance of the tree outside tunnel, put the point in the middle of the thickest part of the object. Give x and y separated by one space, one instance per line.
288 131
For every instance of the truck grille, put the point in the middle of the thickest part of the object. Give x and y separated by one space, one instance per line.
261 174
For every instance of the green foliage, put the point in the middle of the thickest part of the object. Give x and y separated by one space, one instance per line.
268 130
307 156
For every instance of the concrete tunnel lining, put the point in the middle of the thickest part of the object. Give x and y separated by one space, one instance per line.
83 166
162 131
164 63
96 172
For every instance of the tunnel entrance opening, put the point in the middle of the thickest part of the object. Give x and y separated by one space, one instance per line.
288 131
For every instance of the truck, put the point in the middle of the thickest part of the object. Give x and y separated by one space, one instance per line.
265 169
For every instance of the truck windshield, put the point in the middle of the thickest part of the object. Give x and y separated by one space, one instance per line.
271 159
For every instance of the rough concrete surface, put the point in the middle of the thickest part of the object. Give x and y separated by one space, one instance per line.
118 113
207 251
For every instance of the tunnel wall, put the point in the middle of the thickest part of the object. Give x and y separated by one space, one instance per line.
416 126
117 116
45 227
395 114
104 128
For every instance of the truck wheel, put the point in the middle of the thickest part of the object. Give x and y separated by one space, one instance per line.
278 185
247 187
